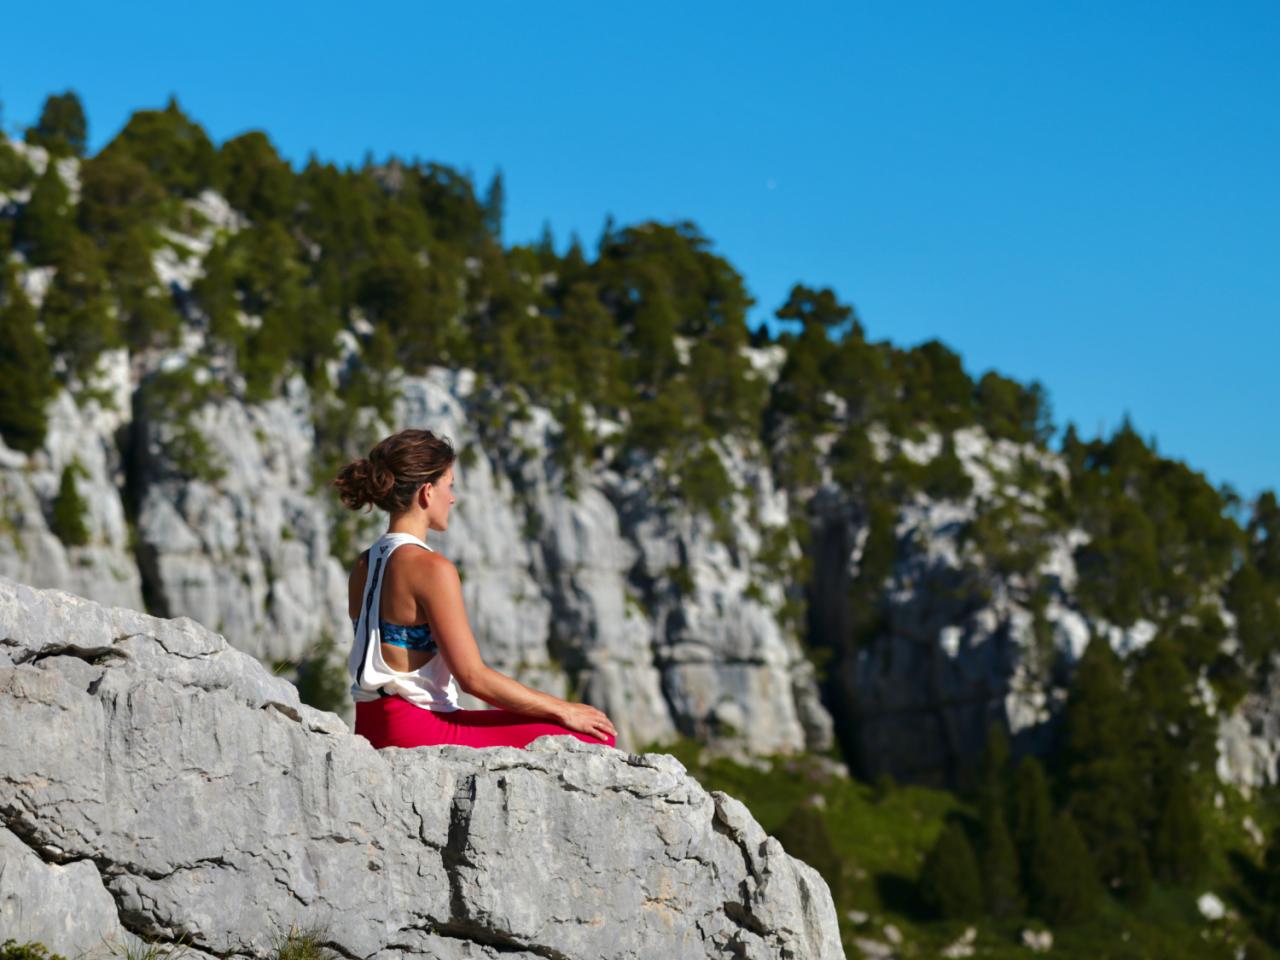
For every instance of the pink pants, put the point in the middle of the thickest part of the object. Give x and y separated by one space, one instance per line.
395 722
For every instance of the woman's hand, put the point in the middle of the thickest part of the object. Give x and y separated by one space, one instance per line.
584 718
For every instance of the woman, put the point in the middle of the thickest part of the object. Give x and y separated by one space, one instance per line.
412 637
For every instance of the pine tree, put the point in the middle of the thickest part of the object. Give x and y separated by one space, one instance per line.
1100 774
997 855
1032 821
1270 892
76 312
950 882
176 150
69 509
257 181
1064 877
62 129
1000 881
26 377
1178 845
118 195
45 226
495 202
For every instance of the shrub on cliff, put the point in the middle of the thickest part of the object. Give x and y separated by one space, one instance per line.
69 508
26 376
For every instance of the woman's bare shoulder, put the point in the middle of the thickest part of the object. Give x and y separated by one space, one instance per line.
433 566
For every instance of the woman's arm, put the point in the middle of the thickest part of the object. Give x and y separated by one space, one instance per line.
439 591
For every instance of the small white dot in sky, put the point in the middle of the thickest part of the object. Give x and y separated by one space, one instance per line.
771 184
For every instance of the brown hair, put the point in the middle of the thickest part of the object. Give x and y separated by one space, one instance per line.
394 470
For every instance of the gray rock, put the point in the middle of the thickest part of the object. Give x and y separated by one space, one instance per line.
215 808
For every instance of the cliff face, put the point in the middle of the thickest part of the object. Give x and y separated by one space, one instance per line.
561 589
585 592
156 782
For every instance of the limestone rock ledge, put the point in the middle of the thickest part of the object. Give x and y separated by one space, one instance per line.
156 782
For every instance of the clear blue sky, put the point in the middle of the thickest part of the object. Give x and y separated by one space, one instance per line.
1084 194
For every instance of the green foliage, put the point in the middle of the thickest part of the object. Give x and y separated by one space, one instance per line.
70 509
77 312
1100 781
15 172
934 385
997 855
62 128
322 679
1008 409
705 485
495 202
168 402
303 944
45 224
998 859
1063 875
257 181
177 152
944 476
145 311
27 383
13 950
119 195
1178 848
1161 533
804 835
950 882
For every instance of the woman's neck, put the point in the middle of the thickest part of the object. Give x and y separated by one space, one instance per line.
416 526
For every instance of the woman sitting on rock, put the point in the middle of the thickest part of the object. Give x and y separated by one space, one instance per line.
412 638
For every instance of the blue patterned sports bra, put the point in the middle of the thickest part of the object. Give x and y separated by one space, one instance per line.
417 637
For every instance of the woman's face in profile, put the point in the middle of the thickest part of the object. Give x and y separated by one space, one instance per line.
442 500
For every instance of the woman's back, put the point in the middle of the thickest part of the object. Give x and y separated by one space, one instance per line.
401 601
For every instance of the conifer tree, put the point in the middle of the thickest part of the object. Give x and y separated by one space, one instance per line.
1063 877
998 858
62 128
69 509
1099 771
950 882
76 312
1031 812
495 203
147 317
118 195
257 181
1178 846
999 866
591 343
1270 890
175 149
26 376
45 226
1264 536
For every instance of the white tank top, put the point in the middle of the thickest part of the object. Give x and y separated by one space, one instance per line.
431 686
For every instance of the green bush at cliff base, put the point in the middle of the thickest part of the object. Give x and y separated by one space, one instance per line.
881 837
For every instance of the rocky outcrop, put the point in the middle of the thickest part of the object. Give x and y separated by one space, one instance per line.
156 782
1249 737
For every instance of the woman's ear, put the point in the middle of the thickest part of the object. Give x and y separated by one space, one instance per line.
424 496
